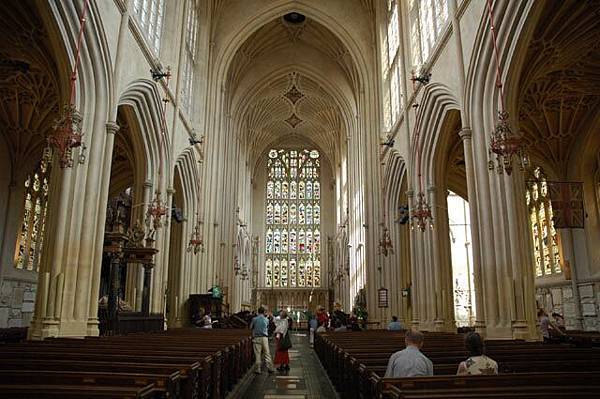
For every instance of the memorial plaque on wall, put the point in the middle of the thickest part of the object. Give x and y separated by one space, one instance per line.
382 295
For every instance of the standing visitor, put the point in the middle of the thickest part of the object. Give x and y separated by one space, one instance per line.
322 317
260 341
477 363
410 362
313 324
395 325
282 341
353 322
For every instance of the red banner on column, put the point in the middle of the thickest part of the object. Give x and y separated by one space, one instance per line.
567 204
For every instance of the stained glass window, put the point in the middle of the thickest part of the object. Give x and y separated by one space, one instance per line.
31 235
293 218
546 241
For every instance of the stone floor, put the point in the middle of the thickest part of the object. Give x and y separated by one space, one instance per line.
306 379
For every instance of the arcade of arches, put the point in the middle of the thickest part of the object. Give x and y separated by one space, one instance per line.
288 149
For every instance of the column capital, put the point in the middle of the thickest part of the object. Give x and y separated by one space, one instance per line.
112 128
431 189
465 133
410 193
148 184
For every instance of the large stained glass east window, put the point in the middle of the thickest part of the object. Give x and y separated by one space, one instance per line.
293 219
546 241
31 235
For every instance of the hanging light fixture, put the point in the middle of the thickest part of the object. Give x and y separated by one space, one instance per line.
66 131
385 242
504 144
156 211
196 243
420 214
236 265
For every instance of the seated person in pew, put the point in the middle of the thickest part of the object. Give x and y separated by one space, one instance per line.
395 325
477 363
410 362
559 320
550 331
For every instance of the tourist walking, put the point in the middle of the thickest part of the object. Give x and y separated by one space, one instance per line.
282 341
260 341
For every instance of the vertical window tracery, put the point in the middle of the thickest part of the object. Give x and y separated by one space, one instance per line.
31 234
149 16
293 196
428 18
546 241
391 66
189 61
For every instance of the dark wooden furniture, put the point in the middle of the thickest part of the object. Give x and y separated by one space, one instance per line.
200 304
184 363
356 363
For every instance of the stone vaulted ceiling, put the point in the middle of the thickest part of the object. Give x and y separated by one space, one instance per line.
560 85
291 104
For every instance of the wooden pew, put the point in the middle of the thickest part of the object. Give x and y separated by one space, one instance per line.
565 384
59 391
185 363
356 362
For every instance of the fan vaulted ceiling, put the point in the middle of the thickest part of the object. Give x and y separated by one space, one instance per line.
283 102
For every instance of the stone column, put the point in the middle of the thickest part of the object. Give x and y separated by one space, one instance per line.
567 242
416 302
92 325
465 136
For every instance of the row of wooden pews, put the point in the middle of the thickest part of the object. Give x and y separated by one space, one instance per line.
180 363
356 363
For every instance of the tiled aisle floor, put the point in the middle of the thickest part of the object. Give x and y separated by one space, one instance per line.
306 378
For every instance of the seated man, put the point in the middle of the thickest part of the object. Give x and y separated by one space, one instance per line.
477 363
410 362
395 325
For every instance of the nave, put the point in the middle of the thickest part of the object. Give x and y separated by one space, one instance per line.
219 364
306 378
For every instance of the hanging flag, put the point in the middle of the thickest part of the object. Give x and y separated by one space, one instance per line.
567 204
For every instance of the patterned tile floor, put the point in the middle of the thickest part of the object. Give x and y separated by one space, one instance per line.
306 379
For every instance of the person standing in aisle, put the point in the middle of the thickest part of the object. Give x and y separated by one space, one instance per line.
260 341
282 341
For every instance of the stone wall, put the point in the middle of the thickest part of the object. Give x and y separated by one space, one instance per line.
559 298
16 303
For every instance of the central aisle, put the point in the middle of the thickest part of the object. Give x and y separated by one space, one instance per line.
306 379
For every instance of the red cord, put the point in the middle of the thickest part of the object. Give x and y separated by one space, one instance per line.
417 144
78 50
163 127
496 54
